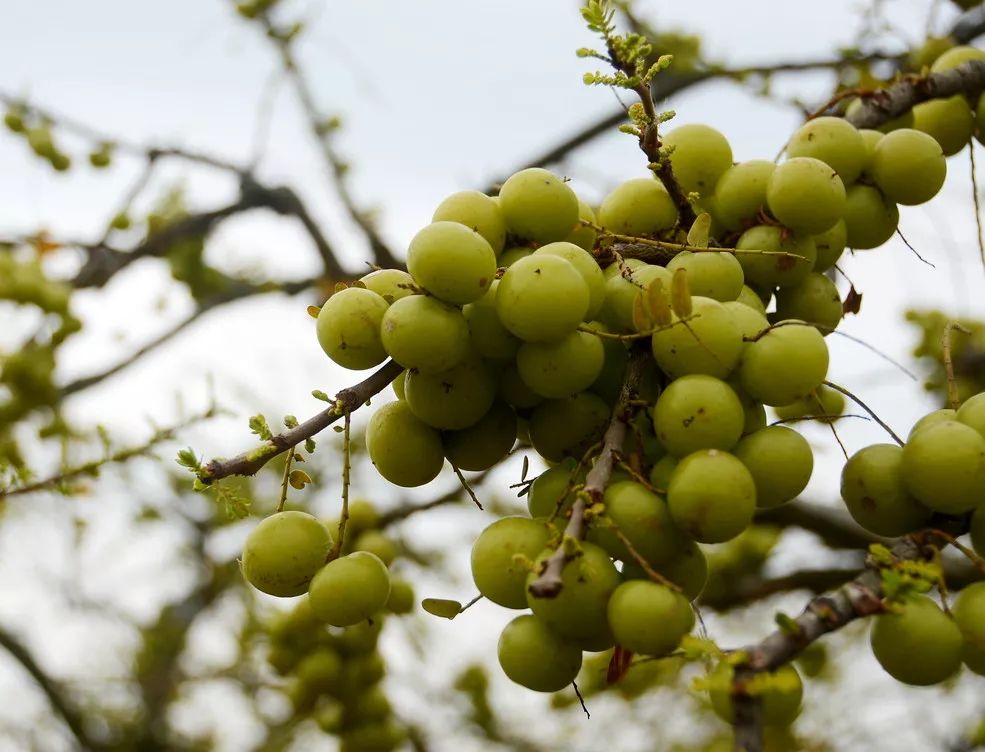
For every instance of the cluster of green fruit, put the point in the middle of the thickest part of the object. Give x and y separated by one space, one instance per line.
327 642
335 678
892 490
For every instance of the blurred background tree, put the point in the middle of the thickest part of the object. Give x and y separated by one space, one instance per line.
181 182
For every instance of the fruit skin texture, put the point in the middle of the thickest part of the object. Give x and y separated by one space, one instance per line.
950 121
931 418
640 206
284 552
780 461
920 645
541 298
710 274
806 195
452 262
699 158
483 444
535 658
578 611
710 344
586 265
814 300
454 399
405 450
348 328
780 704
870 218
969 615
785 364
768 270
873 490
741 192
478 211
490 339
908 166
697 412
649 618
350 589
834 141
643 518
568 427
423 333
972 413
944 467
712 496
562 368
538 205
497 576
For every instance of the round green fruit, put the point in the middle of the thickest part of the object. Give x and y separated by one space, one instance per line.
348 328
350 589
712 496
284 552
536 658
539 206
780 461
649 618
943 466
498 554
873 489
920 645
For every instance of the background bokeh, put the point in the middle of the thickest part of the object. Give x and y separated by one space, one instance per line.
434 97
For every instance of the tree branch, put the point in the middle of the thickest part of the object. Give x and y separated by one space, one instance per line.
669 83
859 598
837 530
322 132
548 583
104 261
123 455
346 401
59 702
886 104
239 292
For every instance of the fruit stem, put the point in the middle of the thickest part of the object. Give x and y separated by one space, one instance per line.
286 479
952 386
548 584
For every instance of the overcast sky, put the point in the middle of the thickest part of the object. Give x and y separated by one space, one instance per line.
437 96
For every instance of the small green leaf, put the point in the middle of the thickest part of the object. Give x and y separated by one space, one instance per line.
309 446
258 425
313 311
445 609
298 479
318 394
187 458
290 421
700 231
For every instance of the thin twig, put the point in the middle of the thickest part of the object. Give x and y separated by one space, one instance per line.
465 485
123 455
346 469
346 401
952 386
286 479
977 199
867 409
548 582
